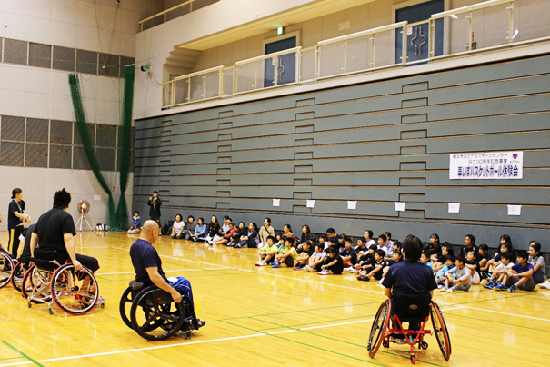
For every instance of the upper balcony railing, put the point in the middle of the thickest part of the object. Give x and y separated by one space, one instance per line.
173 12
489 25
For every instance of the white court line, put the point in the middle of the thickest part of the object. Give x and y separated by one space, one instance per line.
508 313
134 350
340 323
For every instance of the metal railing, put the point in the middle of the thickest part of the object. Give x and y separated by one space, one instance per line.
173 12
489 25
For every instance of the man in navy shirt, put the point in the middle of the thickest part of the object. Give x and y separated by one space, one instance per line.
411 275
148 268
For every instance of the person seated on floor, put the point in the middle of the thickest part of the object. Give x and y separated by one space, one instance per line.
333 262
376 270
190 227
266 255
136 223
348 255
308 248
148 268
178 228
250 238
537 260
498 275
288 256
316 260
520 276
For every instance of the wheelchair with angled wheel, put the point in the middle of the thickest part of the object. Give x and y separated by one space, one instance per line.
7 266
153 314
73 291
415 309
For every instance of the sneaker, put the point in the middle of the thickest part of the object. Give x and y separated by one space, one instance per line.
500 287
260 263
512 289
275 265
489 285
351 269
444 289
380 281
441 286
308 268
323 272
451 290
298 269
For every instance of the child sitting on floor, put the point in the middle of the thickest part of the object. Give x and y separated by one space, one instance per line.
520 276
446 250
348 255
288 256
498 275
136 223
376 270
303 257
266 255
458 278
316 260
473 265
333 262
440 276
250 238
367 259
397 257
537 260
425 258
483 256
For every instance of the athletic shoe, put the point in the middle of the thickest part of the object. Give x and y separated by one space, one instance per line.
298 269
451 290
489 285
260 263
500 287
351 269
444 289
441 286
380 281
323 272
512 289
276 265
308 268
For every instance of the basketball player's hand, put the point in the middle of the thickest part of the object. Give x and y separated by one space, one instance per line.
77 265
176 296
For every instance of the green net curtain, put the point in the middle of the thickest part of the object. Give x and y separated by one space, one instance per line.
117 218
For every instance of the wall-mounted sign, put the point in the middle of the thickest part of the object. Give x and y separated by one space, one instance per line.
486 166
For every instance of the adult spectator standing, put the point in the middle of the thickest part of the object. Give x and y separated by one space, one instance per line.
148 268
154 203
16 220
54 232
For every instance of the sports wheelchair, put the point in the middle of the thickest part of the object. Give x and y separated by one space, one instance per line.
74 292
6 268
152 312
411 308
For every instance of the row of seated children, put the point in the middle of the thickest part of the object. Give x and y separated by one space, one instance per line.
369 258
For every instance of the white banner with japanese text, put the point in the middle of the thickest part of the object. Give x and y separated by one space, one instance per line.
486 166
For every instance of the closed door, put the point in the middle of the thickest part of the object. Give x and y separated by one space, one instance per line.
418 36
286 66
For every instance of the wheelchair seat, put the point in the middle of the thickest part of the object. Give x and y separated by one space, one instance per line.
411 307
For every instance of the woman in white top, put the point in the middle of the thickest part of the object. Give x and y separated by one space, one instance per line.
178 227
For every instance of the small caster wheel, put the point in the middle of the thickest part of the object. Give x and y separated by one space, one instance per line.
50 311
413 359
187 335
386 344
424 345
29 305
103 305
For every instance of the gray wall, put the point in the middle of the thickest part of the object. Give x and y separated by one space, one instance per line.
376 143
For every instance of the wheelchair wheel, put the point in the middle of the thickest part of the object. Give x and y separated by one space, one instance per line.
379 327
125 305
6 269
155 316
74 292
33 281
17 275
440 331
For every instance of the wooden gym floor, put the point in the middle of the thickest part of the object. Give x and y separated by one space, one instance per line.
263 317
